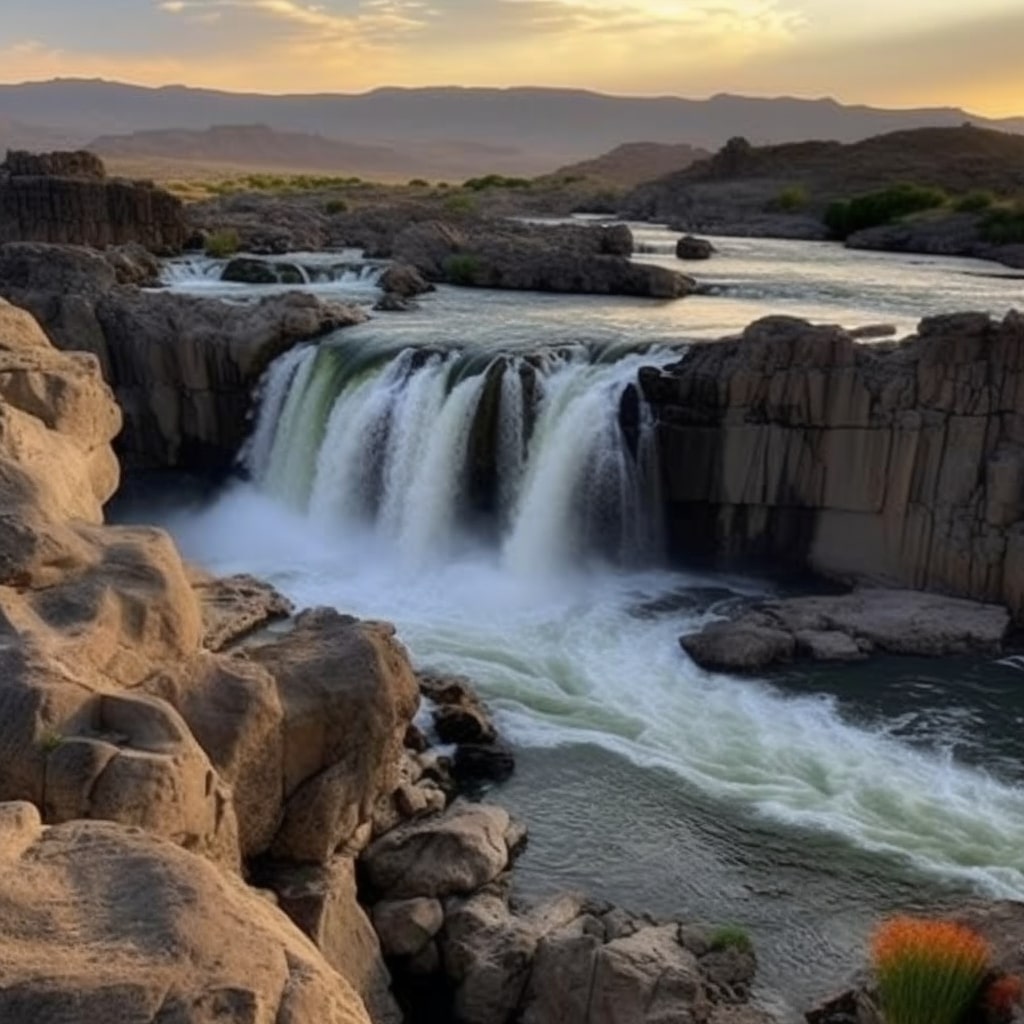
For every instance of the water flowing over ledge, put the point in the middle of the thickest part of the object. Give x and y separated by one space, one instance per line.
548 454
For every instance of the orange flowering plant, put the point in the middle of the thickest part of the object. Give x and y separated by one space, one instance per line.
1002 994
929 972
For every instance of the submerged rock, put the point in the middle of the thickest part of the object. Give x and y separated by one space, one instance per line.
690 247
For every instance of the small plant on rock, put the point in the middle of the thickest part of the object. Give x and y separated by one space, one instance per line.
929 972
1002 996
731 937
222 244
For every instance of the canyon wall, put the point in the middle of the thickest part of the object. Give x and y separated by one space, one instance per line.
901 464
67 197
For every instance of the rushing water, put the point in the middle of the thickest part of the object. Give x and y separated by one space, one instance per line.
463 472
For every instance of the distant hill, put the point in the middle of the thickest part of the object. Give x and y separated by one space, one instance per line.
18 135
741 182
635 162
534 128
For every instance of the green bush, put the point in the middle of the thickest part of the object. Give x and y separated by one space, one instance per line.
222 244
418 183
1005 225
461 268
845 216
495 181
731 937
974 202
460 203
334 206
792 199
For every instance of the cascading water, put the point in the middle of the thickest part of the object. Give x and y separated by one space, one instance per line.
430 447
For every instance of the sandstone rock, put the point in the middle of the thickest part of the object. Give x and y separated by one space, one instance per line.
689 247
235 606
897 465
348 694
489 951
404 280
322 902
105 924
405 927
456 852
66 197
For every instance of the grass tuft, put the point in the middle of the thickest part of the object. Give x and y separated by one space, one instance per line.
731 937
929 972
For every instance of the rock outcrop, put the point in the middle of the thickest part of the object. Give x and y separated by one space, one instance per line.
560 258
67 198
184 368
848 627
132 692
105 924
897 464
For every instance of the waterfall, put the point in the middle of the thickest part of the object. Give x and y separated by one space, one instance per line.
429 448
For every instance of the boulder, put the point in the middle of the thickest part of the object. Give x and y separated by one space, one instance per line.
235 606
322 902
459 715
848 627
459 851
689 247
104 923
405 927
404 281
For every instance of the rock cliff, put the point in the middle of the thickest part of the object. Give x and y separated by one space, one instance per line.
67 197
183 368
900 464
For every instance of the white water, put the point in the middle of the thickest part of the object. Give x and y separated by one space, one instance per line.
371 458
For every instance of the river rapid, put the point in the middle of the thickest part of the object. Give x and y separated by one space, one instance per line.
460 470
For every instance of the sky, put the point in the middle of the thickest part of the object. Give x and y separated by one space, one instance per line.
896 53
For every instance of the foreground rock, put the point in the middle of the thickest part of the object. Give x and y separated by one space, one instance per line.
900 465
847 628
184 368
67 197
103 923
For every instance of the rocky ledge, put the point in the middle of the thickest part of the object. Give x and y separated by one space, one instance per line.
67 197
896 464
161 748
848 627
184 368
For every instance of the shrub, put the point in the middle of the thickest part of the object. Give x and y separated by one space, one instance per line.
495 181
334 206
845 216
1002 994
222 244
460 203
418 183
974 202
461 268
792 199
731 937
929 972
1005 225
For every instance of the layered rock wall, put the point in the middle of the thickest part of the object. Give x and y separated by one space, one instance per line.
66 197
899 464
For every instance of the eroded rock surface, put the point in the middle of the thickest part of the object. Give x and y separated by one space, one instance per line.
103 923
900 465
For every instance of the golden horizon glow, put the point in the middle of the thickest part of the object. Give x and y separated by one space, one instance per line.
881 54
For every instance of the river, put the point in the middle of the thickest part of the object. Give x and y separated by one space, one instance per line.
460 471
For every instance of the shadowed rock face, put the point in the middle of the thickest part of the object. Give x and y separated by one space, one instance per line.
66 197
899 464
184 368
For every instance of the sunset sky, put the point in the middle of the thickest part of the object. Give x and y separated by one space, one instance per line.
884 52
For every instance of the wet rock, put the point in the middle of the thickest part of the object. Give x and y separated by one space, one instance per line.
245 270
689 247
460 715
456 852
404 281
848 627
235 606
390 302
477 763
